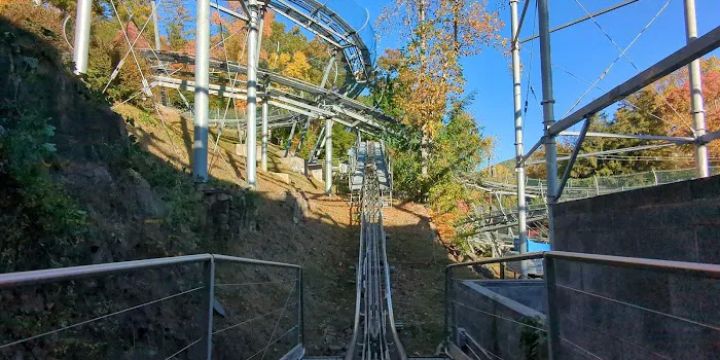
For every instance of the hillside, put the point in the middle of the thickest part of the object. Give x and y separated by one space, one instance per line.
83 182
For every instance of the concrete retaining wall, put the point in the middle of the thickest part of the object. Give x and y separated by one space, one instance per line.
617 313
493 312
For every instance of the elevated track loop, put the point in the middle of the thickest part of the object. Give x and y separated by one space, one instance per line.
374 333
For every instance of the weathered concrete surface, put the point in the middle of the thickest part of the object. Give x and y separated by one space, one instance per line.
678 221
294 163
618 313
501 316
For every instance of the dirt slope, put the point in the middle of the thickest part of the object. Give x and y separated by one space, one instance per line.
126 169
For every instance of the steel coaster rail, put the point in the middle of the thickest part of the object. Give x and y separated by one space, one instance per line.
45 276
549 259
374 332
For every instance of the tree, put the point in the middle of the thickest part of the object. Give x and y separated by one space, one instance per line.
177 33
428 77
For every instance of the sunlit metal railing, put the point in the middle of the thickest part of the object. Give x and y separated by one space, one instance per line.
586 302
222 294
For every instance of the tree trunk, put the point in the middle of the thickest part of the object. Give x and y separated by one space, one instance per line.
425 153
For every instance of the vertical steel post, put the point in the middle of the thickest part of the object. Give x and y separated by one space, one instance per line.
289 143
81 46
158 46
264 134
301 307
209 301
552 310
202 85
698 110
519 151
447 304
548 103
156 24
251 142
328 156
328 68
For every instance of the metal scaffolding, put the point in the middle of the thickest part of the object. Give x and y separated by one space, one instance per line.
687 56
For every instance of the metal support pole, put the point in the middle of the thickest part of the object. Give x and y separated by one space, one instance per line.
207 308
202 89
264 134
447 331
552 310
156 23
251 142
301 307
289 142
158 46
519 151
328 68
548 112
328 156
698 111
573 158
81 46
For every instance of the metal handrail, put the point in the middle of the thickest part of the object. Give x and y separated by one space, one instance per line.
44 276
549 257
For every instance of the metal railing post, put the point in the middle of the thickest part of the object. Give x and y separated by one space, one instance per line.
552 312
209 274
449 310
301 306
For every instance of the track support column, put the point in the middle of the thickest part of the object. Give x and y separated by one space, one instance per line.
264 135
519 150
252 51
81 46
328 156
202 86
548 104
696 95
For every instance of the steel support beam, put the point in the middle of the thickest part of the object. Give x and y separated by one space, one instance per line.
328 156
573 157
328 68
584 18
548 104
156 24
517 114
230 12
289 142
672 139
709 137
664 67
81 46
202 90
698 109
251 140
610 152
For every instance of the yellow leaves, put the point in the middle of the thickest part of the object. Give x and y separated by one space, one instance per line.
296 66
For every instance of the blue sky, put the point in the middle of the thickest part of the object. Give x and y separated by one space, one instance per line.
581 50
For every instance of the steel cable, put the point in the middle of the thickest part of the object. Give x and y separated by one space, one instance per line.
85 322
